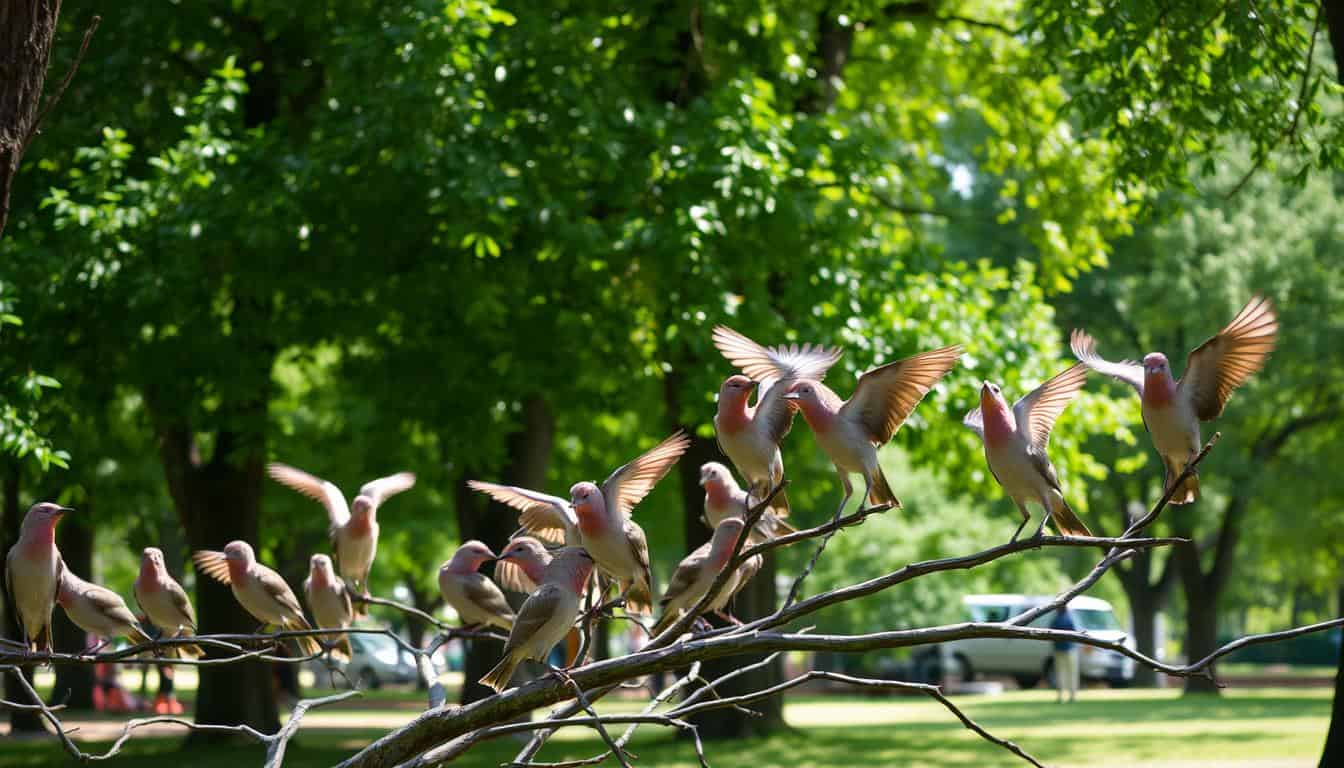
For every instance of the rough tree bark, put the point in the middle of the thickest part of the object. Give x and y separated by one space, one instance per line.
27 29
529 455
19 722
74 682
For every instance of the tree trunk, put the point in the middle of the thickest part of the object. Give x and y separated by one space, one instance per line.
1201 632
74 682
529 455
27 28
1144 605
1334 739
19 722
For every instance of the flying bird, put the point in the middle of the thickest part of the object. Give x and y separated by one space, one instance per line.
546 617
724 499
1172 410
748 434
696 573
1015 442
98 610
329 601
616 542
165 602
474 596
521 565
353 528
547 517
33 569
850 431
261 591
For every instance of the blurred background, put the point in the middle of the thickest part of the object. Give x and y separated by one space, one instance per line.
490 241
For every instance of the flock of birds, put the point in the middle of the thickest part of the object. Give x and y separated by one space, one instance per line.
561 541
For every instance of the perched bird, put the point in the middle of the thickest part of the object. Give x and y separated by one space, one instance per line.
474 596
354 528
165 602
1171 409
329 601
33 570
750 434
616 543
696 572
1015 446
545 516
546 617
850 431
724 499
260 590
520 566
98 610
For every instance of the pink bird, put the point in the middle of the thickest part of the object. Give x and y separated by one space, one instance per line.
696 573
724 499
521 565
850 431
616 542
98 610
33 571
329 602
1015 446
1172 410
474 596
259 590
750 435
353 528
165 602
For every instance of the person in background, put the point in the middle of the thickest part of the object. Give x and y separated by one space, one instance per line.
1066 657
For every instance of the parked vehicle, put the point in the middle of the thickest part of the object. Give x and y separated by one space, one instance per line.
1030 661
376 660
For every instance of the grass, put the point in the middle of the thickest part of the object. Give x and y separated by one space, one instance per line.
1260 728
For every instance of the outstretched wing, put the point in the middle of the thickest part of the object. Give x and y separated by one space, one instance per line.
762 364
549 517
212 564
512 577
885 396
976 421
1227 360
383 488
314 488
629 484
1085 349
1037 411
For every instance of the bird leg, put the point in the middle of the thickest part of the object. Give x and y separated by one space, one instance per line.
1025 517
728 617
95 648
1045 518
849 491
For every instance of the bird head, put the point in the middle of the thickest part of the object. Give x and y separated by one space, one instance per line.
320 564
736 387
713 473
1155 364
470 556
991 397
803 393
362 506
239 552
44 514
586 498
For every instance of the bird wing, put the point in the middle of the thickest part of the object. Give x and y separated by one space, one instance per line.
275 586
639 544
1042 464
383 488
549 517
314 488
885 396
1036 412
746 571
975 421
763 364
1225 361
688 570
539 609
109 604
181 602
483 592
630 483
212 564
512 577
1085 349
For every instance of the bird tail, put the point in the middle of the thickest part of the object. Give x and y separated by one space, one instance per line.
638 600
359 607
340 649
880 492
498 678
188 651
1189 488
1066 522
308 645
780 503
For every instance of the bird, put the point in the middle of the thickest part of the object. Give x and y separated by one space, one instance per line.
261 591
33 569
750 435
616 542
850 431
329 601
354 528
547 517
696 573
98 610
473 595
1172 410
520 565
165 602
1015 441
547 615
725 499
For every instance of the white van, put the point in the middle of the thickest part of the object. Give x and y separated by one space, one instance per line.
1028 661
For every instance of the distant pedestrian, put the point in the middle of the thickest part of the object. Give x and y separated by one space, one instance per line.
1066 657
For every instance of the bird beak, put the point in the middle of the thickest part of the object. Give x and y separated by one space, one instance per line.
792 396
65 510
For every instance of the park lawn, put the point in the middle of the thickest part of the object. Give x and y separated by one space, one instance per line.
1260 728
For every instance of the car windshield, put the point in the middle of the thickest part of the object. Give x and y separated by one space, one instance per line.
1089 618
